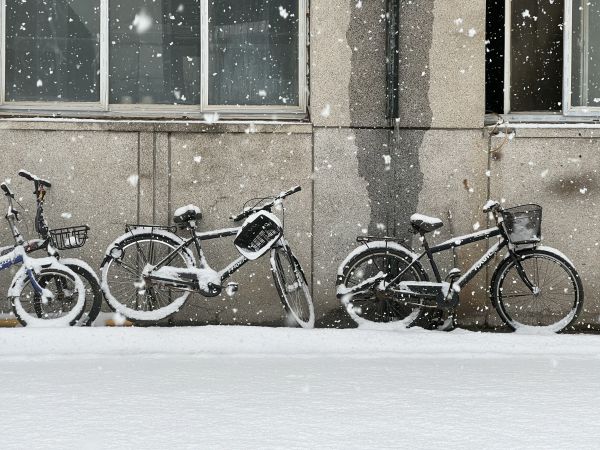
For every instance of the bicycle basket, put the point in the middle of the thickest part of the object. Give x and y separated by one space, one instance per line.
70 237
258 234
523 224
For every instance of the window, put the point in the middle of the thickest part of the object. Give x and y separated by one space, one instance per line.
541 57
165 57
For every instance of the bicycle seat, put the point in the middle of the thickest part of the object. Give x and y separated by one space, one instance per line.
184 215
425 224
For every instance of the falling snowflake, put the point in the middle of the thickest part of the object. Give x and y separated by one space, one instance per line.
142 22
283 12
133 180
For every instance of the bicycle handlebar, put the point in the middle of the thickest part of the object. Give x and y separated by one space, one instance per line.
267 206
36 180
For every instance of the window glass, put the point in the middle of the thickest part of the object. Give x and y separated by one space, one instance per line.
154 52
253 52
585 61
53 50
536 60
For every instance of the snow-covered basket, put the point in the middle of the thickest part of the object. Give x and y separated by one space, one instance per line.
258 234
523 224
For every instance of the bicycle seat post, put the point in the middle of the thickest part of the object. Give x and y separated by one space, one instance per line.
425 245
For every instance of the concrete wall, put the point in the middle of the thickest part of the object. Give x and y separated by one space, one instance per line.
107 175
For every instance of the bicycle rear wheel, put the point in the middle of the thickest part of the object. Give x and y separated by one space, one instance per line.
375 306
292 286
93 292
557 298
124 286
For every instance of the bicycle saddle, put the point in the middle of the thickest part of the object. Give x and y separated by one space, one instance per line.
425 224
185 214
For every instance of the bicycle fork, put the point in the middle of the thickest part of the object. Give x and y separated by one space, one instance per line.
535 290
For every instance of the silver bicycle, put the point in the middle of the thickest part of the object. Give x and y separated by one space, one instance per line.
149 272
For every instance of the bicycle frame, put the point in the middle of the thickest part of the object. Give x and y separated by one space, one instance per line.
196 239
431 290
17 254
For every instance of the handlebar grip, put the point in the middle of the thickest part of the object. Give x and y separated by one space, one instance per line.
290 192
26 175
7 190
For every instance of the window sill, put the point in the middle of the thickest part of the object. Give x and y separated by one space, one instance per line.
546 119
155 125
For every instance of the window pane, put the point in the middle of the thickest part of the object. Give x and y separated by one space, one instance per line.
585 62
494 57
536 55
253 52
155 52
53 50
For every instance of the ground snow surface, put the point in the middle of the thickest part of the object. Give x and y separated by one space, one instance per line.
251 387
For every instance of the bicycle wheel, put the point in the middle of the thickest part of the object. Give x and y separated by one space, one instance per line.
61 303
376 305
122 282
93 292
292 286
556 302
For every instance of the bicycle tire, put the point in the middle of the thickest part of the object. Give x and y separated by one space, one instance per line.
286 269
117 250
380 307
93 292
26 305
530 311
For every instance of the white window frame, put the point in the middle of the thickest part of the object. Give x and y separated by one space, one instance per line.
568 108
104 108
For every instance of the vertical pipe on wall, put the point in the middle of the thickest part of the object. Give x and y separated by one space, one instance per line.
392 46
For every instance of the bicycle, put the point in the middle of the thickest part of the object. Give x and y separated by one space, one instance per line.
43 292
533 286
149 272
63 239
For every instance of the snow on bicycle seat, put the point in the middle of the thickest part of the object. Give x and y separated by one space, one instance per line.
425 224
186 213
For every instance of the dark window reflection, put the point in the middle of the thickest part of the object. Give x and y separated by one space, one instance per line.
536 55
53 50
253 52
155 52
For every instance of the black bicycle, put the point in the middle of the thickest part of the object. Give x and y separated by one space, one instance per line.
533 286
53 240
149 272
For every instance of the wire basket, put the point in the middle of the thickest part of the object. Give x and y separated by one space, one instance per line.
523 224
70 237
257 235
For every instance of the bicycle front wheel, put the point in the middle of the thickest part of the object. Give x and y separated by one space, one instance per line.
292 286
557 297
60 304
123 284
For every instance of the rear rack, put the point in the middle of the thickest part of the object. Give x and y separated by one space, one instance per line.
132 226
365 239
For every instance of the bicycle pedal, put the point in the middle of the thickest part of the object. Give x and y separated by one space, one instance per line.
231 289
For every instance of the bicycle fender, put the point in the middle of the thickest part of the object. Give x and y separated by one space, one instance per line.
375 244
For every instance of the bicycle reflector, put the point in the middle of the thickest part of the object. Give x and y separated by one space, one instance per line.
258 234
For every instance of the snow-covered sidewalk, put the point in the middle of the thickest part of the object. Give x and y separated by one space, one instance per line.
250 387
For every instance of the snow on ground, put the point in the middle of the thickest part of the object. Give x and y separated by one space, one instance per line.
250 387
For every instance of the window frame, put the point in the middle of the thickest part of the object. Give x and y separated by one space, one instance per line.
103 108
568 112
